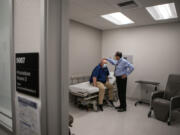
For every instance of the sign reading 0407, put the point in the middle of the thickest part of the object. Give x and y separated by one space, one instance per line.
27 73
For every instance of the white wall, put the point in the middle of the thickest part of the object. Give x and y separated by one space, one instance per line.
27 26
27 32
155 50
84 48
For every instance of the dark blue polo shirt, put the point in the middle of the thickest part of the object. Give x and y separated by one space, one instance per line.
100 73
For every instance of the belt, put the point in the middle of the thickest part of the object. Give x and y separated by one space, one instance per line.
120 77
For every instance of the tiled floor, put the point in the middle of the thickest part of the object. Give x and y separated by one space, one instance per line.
111 122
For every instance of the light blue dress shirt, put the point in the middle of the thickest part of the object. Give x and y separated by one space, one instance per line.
122 67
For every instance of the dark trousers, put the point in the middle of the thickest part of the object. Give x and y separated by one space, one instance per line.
121 86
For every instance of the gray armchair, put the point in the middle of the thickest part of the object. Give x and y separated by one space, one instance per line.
164 102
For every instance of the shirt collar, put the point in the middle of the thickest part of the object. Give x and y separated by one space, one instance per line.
100 65
120 60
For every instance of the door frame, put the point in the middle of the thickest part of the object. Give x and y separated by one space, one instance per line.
55 34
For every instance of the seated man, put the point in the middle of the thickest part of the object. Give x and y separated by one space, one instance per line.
99 78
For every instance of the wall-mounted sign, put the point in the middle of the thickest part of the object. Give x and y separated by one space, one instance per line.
27 73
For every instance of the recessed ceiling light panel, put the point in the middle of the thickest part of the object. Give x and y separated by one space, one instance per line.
117 18
163 12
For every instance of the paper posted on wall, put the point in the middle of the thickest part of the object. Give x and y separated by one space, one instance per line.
28 117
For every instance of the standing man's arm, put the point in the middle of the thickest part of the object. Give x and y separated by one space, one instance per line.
130 69
113 62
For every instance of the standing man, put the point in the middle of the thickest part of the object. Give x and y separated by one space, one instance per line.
99 78
122 69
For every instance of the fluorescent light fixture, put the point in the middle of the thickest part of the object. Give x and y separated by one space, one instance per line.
163 12
117 18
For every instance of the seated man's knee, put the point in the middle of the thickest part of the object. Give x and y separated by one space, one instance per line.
101 87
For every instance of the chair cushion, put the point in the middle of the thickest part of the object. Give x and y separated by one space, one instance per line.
173 87
161 108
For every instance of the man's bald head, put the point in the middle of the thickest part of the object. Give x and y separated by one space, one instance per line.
103 61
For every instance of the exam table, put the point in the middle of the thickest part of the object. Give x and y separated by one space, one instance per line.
86 94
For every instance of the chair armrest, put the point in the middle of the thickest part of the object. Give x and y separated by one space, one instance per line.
157 94
175 102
